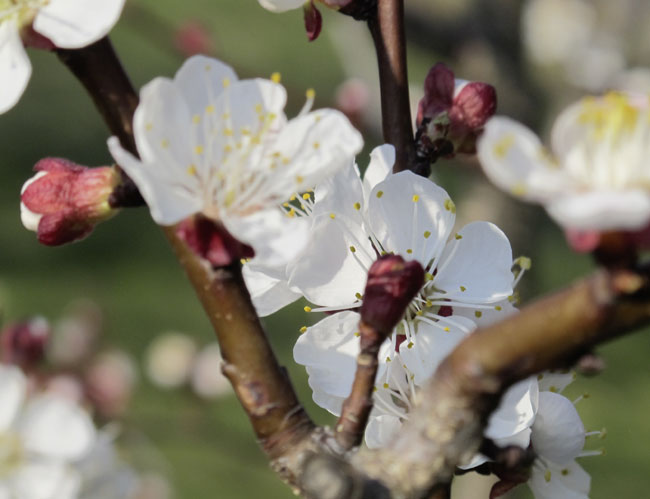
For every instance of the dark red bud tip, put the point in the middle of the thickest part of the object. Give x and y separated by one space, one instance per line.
23 343
313 21
475 104
212 242
392 284
438 92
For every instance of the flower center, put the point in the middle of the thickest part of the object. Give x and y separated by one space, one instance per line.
11 453
21 12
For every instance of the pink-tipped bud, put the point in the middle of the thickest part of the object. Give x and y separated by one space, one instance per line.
452 113
23 343
212 242
193 38
313 21
392 284
64 201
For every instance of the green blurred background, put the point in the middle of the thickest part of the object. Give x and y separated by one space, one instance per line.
208 449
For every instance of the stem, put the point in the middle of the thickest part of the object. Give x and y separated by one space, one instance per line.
356 408
387 30
455 405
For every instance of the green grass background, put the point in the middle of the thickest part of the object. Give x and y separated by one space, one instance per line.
208 449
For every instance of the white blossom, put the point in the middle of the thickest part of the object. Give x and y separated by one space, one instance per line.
67 24
282 5
212 144
596 177
42 438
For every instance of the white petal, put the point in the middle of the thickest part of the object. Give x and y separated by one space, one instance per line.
329 273
30 219
276 238
484 317
318 145
45 480
269 293
201 80
168 203
74 24
514 159
5 493
13 386
516 411
569 130
341 194
382 159
410 215
565 482
15 68
329 350
476 267
555 381
602 210
424 353
381 429
55 427
558 432
330 403
281 5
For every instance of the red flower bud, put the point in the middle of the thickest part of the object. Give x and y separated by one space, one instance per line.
23 343
453 111
212 242
193 38
392 284
64 201
313 21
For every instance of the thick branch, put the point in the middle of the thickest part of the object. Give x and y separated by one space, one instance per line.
448 424
387 30
262 386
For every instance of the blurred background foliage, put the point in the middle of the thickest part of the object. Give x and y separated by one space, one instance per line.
539 54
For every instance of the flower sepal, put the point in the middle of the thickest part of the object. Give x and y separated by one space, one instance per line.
64 201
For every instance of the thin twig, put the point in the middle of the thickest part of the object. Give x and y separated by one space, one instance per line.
387 30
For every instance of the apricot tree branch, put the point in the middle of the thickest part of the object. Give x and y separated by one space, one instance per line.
447 425
283 427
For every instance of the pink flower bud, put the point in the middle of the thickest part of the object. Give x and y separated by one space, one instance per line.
313 21
110 380
452 113
212 241
392 284
23 343
193 38
64 201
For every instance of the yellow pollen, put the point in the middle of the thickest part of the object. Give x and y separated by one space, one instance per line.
191 170
306 196
498 308
416 198
164 143
255 140
276 77
299 179
224 116
258 108
286 205
429 304
272 116
303 329
503 145
386 385
227 148
427 234
230 197
353 249
307 309
419 313
358 296
388 359
458 237
463 288
478 314
149 127
228 132
409 251
242 260
450 206
524 262
380 194
316 145
310 93
547 475
245 131
446 329
410 344
428 276
357 334
332 216
196 119
565 472
225 82
198 149
209 109
357 206
553 389
286 161
292 198
291 213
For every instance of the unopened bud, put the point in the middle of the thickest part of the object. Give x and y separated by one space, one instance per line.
23 343
193 38
392 284
454 111
313 21
212 242
110 380
64 201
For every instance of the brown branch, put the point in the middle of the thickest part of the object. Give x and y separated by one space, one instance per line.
387 30
285 431
448 424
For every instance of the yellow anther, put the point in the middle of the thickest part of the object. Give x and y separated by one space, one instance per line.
540 376
450 206
245 131
292 198
380 194
307 309
409 251
242 260
428 276
291 213
276 77
299 179
208 67
388 359
353 249
429 304
478 314
553 389
416 198
565 472
410 344
419 313
316 145
463 288
332 216
209 109
224 116
191 170
503 145
198 149
386 385
427 234
358 296
303 329
164 143
524 262
498 308
310 93
196 119
458 237
547 475
149 127
357 334
357 206
225 82
258 108
227 148
228 132
306 196
446 329
286 161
